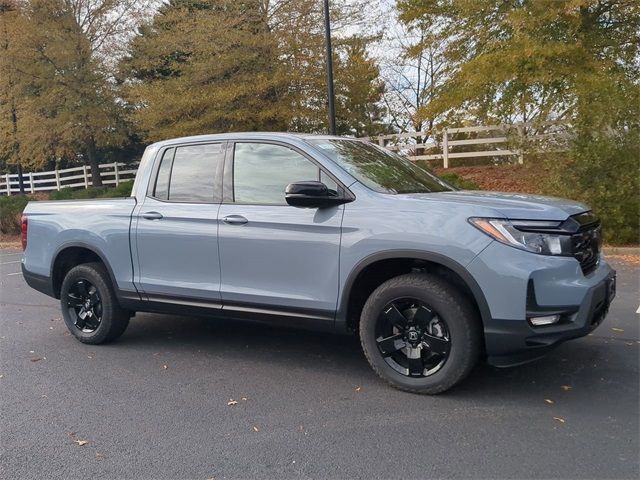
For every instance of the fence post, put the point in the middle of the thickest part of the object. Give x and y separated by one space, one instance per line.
57 179
33 188
86 176
520 142
115 169
445 149
8 185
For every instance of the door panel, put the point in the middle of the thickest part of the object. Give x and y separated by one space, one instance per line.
176 226
178 253
281 256
272 255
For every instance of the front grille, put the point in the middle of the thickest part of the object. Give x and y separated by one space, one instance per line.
586 247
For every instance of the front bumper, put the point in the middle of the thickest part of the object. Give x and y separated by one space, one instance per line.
519 285
511 342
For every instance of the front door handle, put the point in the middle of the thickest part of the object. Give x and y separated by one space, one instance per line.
152 215
235 220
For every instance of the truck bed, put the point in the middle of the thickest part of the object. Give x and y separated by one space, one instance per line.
104 224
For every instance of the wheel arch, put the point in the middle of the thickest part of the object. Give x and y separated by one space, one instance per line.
71 254
407 258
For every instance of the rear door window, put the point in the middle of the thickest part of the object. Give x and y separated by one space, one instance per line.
189 173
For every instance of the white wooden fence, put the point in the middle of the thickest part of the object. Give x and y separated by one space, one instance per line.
442 144
435 145
111 174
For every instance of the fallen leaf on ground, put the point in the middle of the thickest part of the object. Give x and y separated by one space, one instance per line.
164 367
255 429
37 359
617 329
244 399
99 456
357 389
628 259
559 419
232 402
566 388
81 442
549 401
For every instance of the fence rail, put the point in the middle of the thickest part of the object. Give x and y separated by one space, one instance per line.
442 144
435 145
111 174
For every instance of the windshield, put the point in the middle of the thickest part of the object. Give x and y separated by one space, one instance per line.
380 169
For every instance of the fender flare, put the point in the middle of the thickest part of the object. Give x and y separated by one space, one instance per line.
459 269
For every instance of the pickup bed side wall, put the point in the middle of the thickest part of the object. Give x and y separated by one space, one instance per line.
99 225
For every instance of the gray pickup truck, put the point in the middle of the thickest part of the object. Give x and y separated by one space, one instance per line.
329 233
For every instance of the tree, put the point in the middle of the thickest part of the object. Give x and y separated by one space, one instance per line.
359 91
253 65
205 66
528 60
57 99
414 69
9 25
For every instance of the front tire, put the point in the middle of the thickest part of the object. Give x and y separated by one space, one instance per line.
89 305
420 334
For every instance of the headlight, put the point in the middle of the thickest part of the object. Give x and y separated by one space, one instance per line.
530 235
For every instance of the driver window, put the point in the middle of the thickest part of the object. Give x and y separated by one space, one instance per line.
262 171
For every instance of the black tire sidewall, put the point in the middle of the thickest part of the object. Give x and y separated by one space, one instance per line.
112 315
450 305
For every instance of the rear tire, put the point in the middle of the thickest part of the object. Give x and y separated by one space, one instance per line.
420 334
89 305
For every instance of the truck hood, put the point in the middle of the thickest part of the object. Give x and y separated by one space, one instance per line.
509 205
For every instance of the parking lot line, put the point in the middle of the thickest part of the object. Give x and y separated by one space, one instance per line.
17 273
10 254
9 263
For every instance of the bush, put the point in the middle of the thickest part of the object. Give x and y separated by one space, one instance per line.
10 211
602 171
122 190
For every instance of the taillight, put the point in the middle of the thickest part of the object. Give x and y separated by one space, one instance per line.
24 224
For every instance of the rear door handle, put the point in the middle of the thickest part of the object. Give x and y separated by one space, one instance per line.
152 215
235 220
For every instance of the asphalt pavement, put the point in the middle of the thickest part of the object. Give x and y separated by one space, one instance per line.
180 397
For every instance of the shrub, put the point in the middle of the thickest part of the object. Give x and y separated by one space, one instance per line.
122 190
10 211
602 171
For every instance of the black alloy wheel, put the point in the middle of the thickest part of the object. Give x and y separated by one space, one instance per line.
420 333
85 305
412 338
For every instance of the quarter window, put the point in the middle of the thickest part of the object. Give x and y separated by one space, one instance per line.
262 171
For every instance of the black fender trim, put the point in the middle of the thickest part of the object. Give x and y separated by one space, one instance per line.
460 270
120 294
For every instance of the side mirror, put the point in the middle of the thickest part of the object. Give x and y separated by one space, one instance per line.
311 194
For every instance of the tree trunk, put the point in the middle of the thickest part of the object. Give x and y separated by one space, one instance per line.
92 156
